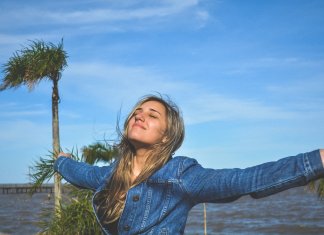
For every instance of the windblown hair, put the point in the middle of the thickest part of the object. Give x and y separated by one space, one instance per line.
111 201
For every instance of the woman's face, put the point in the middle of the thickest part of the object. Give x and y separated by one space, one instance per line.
147 125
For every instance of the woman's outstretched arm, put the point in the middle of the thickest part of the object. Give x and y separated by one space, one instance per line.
224 185
80 174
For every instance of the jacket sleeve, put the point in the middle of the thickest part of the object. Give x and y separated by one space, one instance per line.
225 185
81 174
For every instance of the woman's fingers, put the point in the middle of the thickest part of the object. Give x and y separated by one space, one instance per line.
62 154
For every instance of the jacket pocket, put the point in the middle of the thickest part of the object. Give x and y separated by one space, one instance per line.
161 191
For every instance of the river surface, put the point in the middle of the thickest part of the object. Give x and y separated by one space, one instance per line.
295 211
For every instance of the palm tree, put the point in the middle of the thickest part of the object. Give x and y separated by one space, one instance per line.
30 65
76 215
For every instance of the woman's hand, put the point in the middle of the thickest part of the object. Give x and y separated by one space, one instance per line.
62 154
322 155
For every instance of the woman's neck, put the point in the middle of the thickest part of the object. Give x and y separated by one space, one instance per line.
139 162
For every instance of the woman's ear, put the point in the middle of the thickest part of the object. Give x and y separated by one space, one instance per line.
165 139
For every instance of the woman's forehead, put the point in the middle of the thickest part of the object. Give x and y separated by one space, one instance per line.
153 104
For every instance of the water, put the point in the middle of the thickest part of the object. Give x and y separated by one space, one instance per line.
295 211
291 212
19 213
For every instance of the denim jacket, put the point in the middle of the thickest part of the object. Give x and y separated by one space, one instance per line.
160 205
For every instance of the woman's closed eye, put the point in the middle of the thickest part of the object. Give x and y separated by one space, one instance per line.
153 115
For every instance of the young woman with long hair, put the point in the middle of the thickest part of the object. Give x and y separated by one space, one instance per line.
149 191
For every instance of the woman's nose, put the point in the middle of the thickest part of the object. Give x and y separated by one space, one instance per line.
139 117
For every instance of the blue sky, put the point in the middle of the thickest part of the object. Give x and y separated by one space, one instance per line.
247 75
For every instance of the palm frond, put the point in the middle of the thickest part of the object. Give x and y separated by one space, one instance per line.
43 169
76 216
99 152
14 71
33 63
317 187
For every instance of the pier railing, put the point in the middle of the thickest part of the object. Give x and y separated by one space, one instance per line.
25 188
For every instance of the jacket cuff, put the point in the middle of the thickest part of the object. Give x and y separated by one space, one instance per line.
58 162
313 164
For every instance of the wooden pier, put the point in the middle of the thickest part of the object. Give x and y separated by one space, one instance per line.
25 188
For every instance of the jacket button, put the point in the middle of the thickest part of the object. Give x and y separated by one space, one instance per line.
126 228
135 198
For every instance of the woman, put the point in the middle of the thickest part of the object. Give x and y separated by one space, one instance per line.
147 191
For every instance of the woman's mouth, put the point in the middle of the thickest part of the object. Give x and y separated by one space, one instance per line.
138 125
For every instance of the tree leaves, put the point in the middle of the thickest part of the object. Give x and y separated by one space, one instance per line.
75 213
34 63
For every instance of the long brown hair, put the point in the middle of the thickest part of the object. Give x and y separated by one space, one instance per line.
111 200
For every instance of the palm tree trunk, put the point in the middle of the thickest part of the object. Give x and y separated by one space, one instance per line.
205 220
56 140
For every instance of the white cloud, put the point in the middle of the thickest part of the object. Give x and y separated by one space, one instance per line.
19 110
202 17
64 20
211 107
308 85
109 85
271 62
100 15
12 39
10 43
23 132
106 13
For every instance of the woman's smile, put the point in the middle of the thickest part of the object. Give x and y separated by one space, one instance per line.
136 124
